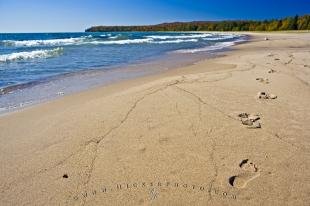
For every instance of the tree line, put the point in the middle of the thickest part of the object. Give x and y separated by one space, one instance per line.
288 23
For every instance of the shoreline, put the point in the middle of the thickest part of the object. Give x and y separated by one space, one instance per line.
68 83
186 136
151 76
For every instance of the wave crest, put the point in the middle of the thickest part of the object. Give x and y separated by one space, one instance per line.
185 36
125 41
175 41
109 39
18 56
217 46
48 42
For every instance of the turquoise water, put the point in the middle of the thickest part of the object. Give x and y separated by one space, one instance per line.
41 66
30 57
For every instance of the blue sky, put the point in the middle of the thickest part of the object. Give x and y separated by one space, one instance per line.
77 15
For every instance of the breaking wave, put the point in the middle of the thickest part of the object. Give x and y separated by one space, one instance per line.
185 36
176 41
17 56
216 46
125 41
221 37
109 39
48 42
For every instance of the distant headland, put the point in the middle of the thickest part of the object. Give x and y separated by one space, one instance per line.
288 23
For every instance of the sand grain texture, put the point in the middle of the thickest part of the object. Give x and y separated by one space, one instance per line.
173 138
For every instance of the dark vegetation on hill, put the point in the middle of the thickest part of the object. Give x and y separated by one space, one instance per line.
288 23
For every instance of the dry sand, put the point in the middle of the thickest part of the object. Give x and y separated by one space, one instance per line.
174 138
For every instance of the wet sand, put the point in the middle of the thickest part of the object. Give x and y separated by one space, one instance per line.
233 130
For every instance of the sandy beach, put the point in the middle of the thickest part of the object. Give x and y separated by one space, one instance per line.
231 130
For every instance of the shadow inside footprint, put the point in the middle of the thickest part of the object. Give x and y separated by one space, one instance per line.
246 165
250 120
241 180
249 173
263 80
243 162
265 95
231 180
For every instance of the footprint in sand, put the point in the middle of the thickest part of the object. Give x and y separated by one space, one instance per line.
250 120
249 172
262 80
265 95
270 71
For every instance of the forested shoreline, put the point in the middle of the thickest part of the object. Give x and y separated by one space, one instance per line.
288 23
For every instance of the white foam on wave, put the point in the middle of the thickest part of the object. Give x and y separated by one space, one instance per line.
114 37
125 41
156 39
203 36
105 35
140 41
48 42
72 41
47 53
176 41
217 46
221 37
185 36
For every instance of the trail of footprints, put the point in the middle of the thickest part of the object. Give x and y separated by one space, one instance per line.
249 170
253 120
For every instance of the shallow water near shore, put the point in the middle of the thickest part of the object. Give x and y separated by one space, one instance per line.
38 67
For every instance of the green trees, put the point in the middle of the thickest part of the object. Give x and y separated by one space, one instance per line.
289 23
303 23
274 25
